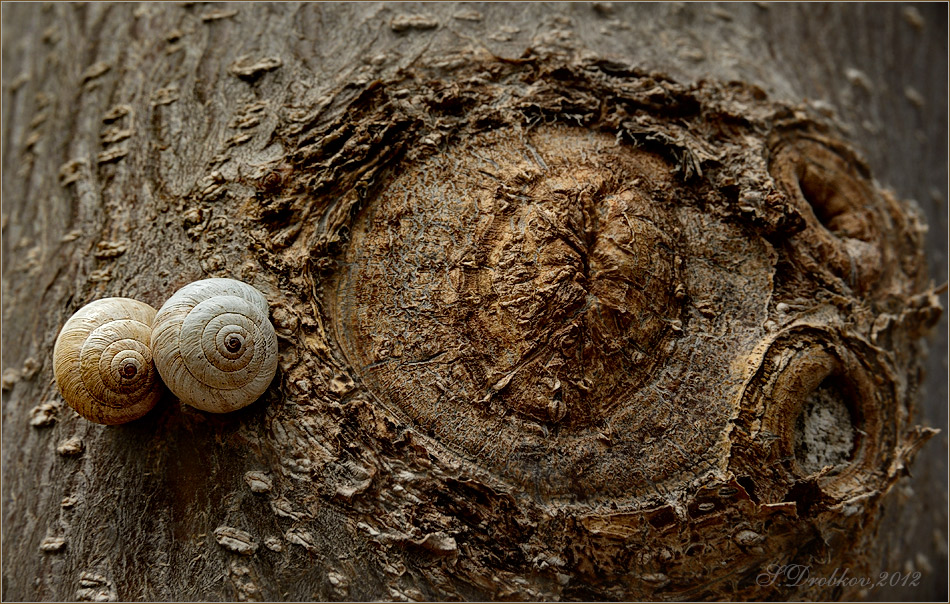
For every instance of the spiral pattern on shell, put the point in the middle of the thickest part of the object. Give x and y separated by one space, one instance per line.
103 364
214 346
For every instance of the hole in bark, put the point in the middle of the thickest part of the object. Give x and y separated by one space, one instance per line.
805 495
662 517
820 193
839 206
835 197
749 487
824 430
831 413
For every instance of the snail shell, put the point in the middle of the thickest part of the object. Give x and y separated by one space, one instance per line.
214 345
103 364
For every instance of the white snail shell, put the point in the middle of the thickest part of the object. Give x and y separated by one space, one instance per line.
214 345
103 364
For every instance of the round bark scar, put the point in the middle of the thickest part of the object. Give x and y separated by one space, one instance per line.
524 282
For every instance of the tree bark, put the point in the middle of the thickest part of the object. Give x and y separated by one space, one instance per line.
292 146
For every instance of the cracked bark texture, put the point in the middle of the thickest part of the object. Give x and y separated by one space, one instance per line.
575 301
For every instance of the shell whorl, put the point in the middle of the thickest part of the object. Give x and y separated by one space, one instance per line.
103 364
214 345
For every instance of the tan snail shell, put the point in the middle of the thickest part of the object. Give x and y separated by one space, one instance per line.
214 345
103 364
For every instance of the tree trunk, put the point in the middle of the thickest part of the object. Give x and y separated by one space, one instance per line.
484 390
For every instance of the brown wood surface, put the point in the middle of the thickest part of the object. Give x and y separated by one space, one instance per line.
146 146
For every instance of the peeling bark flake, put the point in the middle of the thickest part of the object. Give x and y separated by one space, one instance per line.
52 545
217 15
246 68
422 22
110 249
235 540
95 70
44 415
258 482
71 447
